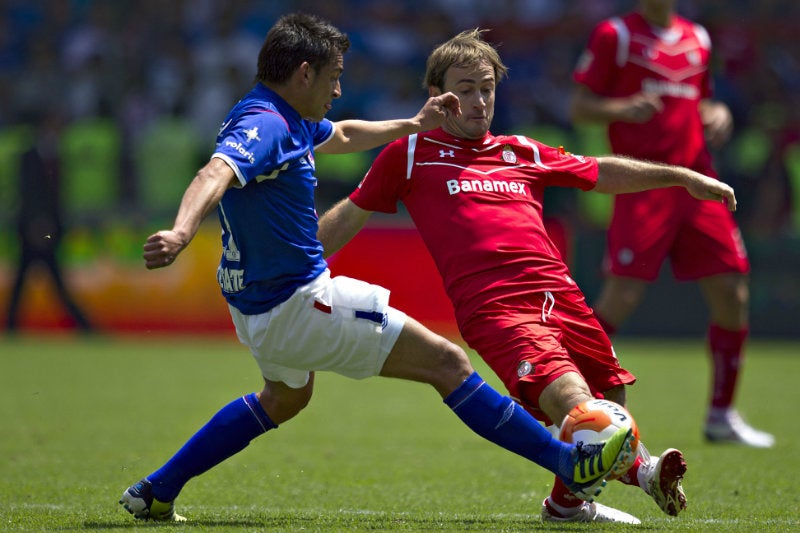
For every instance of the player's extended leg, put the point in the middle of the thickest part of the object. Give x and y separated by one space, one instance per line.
557 399
51 262
660 478
26 260
727 296
619 297
421 355
226 434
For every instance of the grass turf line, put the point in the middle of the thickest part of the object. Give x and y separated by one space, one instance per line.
83 418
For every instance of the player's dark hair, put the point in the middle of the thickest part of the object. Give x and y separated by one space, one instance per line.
465 49
296 38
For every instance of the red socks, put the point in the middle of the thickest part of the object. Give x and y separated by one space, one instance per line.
725 347
561 500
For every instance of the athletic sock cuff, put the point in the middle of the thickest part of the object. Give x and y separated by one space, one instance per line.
258 412
464 391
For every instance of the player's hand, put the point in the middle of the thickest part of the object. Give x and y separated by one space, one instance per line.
162 248
640 107
712 189
717 123
437 109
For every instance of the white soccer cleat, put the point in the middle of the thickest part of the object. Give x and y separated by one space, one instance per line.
590 512
729 426
663 478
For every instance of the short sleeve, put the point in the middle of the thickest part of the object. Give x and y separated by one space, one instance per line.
386 181
598 62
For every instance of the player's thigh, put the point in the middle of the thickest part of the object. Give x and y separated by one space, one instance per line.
588 344
526 354
619 297
340 325
422 355
709 243
643 227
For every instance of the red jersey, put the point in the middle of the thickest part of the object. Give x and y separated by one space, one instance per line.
628 55
478 207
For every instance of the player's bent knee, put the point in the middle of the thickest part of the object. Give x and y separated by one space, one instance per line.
454 365
282 403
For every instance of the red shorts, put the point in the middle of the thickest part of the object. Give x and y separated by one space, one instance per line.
540 337
700 237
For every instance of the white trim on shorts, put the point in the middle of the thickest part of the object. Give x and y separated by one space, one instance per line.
339 324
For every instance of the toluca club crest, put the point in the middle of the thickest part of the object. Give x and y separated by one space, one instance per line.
508 154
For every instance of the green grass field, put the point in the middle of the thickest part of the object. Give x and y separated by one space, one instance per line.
81 419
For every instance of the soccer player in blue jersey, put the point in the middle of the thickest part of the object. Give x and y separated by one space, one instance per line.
287 309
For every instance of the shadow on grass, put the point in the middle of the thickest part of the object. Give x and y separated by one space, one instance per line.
343 521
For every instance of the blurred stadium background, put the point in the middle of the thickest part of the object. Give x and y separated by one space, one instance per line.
140 87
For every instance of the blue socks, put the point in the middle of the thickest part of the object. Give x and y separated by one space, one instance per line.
227 433
502 421
494 417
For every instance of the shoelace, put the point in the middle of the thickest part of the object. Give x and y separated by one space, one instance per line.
588 451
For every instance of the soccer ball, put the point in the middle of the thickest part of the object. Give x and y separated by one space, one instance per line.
594 421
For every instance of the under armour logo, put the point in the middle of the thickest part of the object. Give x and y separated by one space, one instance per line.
448 153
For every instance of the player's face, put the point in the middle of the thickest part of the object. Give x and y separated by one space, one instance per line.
657 11
324 87
475 88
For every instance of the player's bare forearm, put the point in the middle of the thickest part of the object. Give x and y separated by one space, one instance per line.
201 197
360 135
340 224
588 107
619 175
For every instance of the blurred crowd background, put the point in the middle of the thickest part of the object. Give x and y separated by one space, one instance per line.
126 97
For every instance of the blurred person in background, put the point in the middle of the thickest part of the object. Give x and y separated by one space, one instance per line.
646 75
39 219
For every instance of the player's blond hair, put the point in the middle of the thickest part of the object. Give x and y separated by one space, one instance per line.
465 49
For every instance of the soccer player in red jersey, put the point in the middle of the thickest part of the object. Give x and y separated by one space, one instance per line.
287 309
476 199
646 75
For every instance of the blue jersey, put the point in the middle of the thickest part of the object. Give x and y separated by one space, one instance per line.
269 223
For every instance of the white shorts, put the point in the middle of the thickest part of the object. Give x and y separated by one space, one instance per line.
342 325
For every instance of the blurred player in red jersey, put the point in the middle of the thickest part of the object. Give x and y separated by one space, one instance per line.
476 199
646 75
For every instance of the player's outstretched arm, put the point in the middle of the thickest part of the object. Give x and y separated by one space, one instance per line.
359 135
588 107
618 174
201 197
340 224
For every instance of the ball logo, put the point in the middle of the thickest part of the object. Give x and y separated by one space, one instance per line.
595 421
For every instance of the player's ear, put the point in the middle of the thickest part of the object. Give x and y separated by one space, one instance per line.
304 73
434 91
